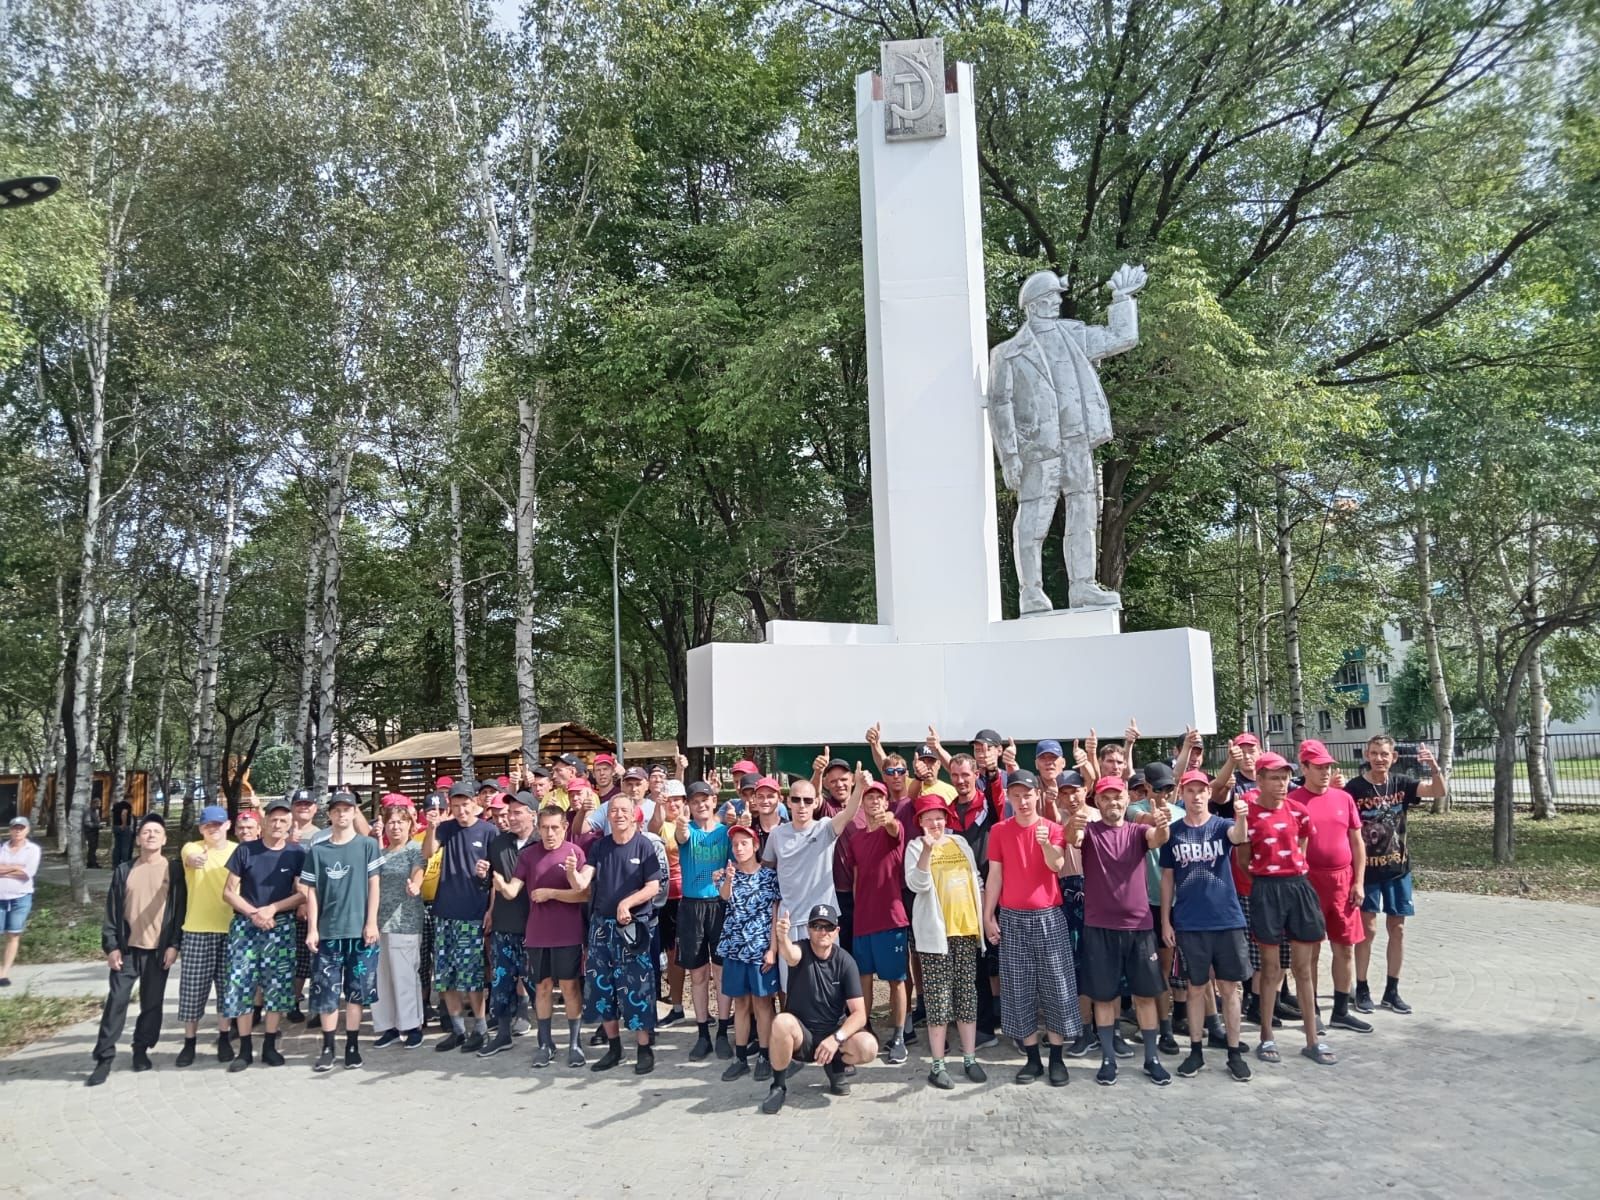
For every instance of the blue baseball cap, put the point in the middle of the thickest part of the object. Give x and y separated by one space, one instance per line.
213 814
1048 746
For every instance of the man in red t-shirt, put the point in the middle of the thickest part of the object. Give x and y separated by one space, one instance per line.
1337 858
1022 915
1282 900
881 933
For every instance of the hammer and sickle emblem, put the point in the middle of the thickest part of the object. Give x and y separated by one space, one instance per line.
907 113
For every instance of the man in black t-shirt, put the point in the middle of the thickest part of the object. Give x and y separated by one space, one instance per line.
508 927
1384 799
825 1017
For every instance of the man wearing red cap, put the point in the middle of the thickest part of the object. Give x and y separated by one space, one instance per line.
1022 916
745 774
1119 941
1282 901
879 941
749 959
1338 861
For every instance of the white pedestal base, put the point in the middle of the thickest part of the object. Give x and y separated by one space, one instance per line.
788 691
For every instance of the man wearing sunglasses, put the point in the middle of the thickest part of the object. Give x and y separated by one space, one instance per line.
802 851
825 1018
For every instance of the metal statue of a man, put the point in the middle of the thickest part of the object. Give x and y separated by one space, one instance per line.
1048 413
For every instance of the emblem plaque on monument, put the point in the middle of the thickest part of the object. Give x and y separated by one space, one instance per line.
913 89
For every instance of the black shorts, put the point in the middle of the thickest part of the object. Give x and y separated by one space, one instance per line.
1112 955
1288 906
668 925
555 962
1223 951
808 1043
988 959
699 931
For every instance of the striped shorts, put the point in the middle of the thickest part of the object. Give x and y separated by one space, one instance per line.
203 967
1038 983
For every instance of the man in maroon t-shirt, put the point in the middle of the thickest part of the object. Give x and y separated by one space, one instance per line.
548 870
1282 900
881 928
1337 858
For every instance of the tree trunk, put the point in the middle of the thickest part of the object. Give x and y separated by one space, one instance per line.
76 812
43 812
1505 769
210 650
119 742
529 411
302 737
458 587
1422 543
1263 643
328 626
1539 789
157 767
1291 611
1241 640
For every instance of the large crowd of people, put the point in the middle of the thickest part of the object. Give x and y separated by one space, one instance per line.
1039 910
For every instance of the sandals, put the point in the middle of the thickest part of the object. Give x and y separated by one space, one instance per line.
1319 1054
1268 1052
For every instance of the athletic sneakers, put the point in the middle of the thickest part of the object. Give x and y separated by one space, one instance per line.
1158 1073
1168 1044
1391 1000
701 1049
837 1083
473 1044
543 1055
736 1068
986 1039
1348 1020
389 1038
1238 1069
1120 1044
724 1047
413 1039
1030 1070
451 1041
940 1078
897 1051
975 1072
1194 1064
502 1041
1362 1000
674 1015
763 1071
1082 1044
776 1095
352 1058
1107 1074
644 1061
324 1060
576 1057
520 1026
1217 1039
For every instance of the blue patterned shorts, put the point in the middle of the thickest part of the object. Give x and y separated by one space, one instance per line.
621 978
457 955
259 959
344 968
510 959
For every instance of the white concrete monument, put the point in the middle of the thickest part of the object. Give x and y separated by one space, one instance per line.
940 651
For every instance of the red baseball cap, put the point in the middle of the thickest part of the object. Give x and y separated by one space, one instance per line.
444 782
503 782
1247 739
743 831
1271 762
745 767
767 781
1194 777
1314 752
931 802
397 800
497 800
603 758
1109 783
875 786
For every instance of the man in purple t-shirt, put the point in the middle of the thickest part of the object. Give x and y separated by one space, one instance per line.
881 930
1118 938
548 869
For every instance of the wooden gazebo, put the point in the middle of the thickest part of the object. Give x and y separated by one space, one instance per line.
412 764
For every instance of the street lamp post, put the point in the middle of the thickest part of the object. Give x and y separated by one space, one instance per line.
29 189
652 473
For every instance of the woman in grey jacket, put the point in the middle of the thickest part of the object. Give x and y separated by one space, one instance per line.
945 922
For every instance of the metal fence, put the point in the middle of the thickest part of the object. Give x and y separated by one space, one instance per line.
1572 764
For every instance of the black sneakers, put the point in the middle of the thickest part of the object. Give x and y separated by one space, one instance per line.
413 1039
1158 1073
1238 1069
224 1048
1082 1044
1194 1064
451 1041
644 1061
186 1055
1363 998
736 1068
1058 1073
502 1041
724 1047
837 1083
1030 1070
1120 1044
1348 1020
763 1071
609 1059
102 1068
1107 1074
141 1060
776 1095
702 1048
389 1038
352 1059
1391 1000
1167 1044
324 1060
473 1044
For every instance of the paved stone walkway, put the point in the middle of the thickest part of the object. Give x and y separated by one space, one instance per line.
1491 1088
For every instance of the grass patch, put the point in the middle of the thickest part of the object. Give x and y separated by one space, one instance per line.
1557 859
60 930
1566 768
27 1018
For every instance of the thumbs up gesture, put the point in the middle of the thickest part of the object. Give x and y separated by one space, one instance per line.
781 925
820 762
1008 759
1041 833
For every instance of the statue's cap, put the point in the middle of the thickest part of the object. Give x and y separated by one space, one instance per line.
1040 283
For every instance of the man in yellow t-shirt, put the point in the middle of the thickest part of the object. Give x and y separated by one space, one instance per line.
204 957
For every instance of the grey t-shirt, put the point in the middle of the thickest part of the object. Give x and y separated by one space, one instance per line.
339 874
804 861
399 912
